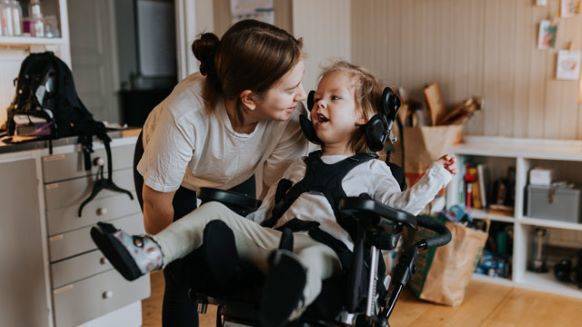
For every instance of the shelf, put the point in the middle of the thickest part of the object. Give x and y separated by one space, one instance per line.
26 41
519 148
493 280
550 223
484 214
546 282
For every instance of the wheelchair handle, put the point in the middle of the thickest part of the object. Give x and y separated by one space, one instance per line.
443 237
364 206
207 194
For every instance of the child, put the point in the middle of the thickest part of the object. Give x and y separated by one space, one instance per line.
346 98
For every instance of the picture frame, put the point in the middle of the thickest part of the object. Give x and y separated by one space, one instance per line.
568 65
547 35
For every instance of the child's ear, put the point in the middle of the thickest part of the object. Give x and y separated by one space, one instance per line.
247 98
362 119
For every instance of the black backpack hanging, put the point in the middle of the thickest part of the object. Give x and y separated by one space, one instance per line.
45 90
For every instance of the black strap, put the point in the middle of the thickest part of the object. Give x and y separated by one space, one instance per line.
316 233
320 177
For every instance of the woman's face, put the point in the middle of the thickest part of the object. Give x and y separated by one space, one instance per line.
281 100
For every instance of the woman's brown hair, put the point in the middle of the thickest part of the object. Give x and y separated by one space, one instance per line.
252 55
367 93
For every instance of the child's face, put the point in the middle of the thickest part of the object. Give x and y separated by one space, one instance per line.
334 115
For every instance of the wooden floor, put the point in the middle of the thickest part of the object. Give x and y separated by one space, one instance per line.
485 305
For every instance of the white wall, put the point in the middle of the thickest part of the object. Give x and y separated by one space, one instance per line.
325 26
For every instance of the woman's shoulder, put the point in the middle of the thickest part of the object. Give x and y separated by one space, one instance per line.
186 98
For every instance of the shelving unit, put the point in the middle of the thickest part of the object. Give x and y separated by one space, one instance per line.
13 49
498 153
26 41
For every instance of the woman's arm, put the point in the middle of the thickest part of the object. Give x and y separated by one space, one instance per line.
158 211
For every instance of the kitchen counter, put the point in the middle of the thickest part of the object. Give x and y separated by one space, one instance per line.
72 140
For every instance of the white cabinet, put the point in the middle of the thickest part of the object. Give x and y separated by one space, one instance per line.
51 273
23 279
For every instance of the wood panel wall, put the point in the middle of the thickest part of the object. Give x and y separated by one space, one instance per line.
475 47
325 28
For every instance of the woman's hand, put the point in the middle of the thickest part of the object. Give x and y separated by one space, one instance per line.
449 163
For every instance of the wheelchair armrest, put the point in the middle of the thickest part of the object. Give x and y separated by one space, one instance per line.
238 202
375 213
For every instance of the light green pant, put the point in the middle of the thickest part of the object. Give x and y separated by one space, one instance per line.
253 243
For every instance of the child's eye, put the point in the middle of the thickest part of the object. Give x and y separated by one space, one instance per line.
335 97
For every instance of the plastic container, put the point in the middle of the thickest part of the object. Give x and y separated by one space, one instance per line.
553 203
17 18
36 19
6 18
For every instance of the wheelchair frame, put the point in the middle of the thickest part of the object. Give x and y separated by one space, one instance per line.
374 219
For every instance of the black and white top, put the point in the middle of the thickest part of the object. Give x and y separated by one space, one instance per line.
372 177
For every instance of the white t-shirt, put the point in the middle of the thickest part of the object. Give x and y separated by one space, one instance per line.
372 177
185 144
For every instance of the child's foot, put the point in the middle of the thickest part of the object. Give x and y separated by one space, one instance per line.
132 255
282 299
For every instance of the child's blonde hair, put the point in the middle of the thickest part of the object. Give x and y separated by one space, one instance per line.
368 92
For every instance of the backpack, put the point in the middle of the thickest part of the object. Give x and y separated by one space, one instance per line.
47 106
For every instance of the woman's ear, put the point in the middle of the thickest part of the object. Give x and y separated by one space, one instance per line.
247 98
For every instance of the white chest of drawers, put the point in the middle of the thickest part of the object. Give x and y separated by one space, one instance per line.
70 282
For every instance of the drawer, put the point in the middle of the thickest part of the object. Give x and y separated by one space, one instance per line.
64 245
66 219
88 299
60 167
78 268
73 192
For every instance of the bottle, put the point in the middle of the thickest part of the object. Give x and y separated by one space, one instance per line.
17 17
37 24
7 21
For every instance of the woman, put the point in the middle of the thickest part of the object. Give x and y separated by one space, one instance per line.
236 119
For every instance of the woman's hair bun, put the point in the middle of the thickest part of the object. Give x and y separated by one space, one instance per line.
204 49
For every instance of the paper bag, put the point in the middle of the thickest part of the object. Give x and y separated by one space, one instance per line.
442 274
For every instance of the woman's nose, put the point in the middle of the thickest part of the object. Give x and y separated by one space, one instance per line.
301 95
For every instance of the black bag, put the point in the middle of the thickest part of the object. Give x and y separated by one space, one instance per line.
46 106
47 100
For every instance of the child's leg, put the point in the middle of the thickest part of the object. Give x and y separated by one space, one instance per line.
135 255
253 242
295 279
320 262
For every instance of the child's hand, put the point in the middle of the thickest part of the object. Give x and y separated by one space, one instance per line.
450 163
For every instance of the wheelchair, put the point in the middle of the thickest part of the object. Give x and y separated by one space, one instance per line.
370 296
360 295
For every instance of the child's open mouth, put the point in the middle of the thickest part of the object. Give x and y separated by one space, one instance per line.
322 119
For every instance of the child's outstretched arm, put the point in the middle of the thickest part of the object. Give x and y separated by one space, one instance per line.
415 198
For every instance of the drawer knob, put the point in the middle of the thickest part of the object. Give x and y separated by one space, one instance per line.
99 162
102 261
102 211
107 295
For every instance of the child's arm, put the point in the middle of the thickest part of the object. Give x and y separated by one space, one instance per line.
415 198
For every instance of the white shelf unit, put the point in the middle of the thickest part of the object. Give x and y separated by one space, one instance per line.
13 50
499 153
25 41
